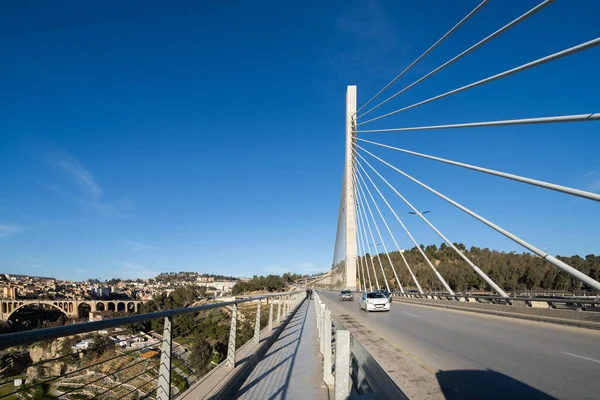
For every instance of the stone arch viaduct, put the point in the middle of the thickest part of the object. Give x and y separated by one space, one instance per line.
71 308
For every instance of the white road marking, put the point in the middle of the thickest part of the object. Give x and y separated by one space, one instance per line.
582 357
413 315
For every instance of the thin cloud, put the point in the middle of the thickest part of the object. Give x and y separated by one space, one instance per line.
7 230
135 246
90 193
133 271
82 177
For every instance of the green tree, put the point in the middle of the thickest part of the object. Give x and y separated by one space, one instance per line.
200 357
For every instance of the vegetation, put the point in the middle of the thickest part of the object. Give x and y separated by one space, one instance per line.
201 355
511 271
169 277
270 283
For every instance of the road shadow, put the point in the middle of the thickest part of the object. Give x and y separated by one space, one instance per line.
489 385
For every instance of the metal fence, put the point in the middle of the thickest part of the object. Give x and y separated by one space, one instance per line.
586 303
127 362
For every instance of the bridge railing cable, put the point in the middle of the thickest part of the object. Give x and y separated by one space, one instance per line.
102 366
433 46
507 122
391 235
530 181
366 225
552 57
506 27
361 259
560 264
387 253
436 230
411 237
362 252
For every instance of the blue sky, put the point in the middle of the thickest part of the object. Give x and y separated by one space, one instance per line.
140 137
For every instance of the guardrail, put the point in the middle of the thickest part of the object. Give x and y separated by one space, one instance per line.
132 371
575 311
347 365
579 303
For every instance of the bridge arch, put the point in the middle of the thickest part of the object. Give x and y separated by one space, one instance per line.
131 307
110 306
139 307
121 307
23 305
100 306
84 309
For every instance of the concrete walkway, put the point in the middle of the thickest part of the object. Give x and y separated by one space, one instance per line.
292 367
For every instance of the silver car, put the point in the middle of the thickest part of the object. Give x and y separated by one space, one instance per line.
346 295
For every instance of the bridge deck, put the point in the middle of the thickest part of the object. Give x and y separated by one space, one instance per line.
291 368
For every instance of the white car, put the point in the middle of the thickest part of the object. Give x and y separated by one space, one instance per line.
374 301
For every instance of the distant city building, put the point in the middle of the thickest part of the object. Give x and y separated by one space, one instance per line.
84 344
9 292
99 292
99 315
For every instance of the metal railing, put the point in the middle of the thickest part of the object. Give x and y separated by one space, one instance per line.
576 303
347 365
137 365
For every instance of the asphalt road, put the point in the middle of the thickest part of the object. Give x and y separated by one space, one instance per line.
477 356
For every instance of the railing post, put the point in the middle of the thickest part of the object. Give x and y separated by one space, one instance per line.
257 325
232 332
318 314
279 309
342 365
163 391
322 313
327 376
270 314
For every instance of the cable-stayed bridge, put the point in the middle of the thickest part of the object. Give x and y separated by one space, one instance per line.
437 341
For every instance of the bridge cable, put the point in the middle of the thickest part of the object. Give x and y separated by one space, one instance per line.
564 266
563 53
523 121
387 253
440 40
365 223
359 245
467 51
460 253
436 272
376 250
360 263
392 236
364 185
534 182
361 281
363 246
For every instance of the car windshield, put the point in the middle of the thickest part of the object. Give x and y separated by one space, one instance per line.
346 292
375 296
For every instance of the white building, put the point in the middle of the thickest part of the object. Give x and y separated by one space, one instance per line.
85 344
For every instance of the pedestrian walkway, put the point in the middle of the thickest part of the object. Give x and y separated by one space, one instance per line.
291 368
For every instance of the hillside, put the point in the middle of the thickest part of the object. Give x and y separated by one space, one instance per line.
511 271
